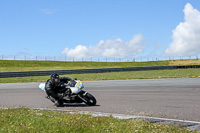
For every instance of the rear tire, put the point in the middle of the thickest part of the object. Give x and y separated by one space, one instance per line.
90 99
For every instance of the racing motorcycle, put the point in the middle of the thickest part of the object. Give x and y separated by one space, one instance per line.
78 95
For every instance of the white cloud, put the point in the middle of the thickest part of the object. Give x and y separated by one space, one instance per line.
78 52
116 48
186 36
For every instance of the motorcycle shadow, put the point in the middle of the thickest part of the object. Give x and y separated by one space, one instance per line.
77 105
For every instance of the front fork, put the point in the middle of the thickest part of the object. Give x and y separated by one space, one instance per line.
81 95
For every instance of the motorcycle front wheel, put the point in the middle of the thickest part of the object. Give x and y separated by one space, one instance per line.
89 99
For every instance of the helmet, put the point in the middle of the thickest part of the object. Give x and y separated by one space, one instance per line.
54 75
55 78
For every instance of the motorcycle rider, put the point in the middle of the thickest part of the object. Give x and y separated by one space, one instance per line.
55 89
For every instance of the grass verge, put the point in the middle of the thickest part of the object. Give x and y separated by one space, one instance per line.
10 65
18 65
155 74
32 121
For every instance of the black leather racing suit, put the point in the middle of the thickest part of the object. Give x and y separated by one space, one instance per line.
54 91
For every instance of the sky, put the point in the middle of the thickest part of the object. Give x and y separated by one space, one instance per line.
85 29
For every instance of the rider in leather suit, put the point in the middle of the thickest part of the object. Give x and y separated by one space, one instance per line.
55 90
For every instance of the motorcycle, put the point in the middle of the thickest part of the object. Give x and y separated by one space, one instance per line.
78 95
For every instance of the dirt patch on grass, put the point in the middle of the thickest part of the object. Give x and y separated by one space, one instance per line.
185 62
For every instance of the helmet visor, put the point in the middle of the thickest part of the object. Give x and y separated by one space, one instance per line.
56 80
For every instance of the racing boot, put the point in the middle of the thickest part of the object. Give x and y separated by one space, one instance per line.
56 102
60 103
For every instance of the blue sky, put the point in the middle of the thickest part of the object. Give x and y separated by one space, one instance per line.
99 28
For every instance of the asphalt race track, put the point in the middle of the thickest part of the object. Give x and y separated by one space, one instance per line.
165 98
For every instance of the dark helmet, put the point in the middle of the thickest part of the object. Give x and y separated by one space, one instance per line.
55 78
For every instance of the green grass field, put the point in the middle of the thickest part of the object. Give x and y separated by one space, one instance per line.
8 65
36 121
11 65
155 74
54 65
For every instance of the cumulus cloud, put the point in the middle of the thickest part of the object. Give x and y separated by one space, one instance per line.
114 48
186 36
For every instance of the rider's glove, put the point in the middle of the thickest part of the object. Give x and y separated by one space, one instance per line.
61 85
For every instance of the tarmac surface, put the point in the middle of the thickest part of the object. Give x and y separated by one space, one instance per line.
163 98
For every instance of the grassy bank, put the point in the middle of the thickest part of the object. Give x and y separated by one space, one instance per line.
156 74
6 65
32 121
10 65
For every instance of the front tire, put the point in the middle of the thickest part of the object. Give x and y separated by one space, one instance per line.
90 99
